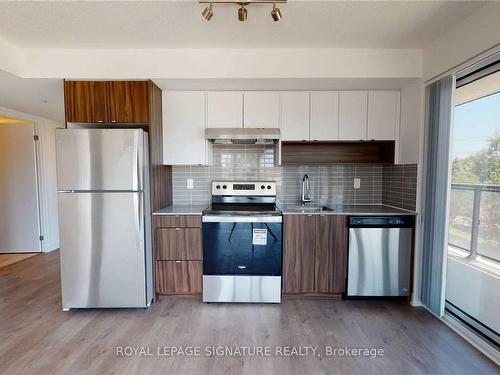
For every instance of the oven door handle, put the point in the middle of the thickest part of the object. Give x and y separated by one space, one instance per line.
241 219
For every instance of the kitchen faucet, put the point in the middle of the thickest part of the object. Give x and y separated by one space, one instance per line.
306 194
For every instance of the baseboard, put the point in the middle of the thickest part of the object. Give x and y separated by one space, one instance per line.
472 338
311 296
415 301
50 248
188 296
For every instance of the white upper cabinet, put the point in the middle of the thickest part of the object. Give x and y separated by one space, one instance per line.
261 109
295 115
224 109
353 113
383 115
324 116
184 128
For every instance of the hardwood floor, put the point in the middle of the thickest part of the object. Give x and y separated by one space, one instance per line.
38 337
10 258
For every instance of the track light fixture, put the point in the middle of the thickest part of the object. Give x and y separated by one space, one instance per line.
276 13
242 10
242 13
208 12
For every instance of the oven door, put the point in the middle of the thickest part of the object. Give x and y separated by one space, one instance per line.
242 245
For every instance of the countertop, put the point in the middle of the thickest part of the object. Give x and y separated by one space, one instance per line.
181 210
361 210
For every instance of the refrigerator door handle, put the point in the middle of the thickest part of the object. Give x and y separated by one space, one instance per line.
139 157
139 219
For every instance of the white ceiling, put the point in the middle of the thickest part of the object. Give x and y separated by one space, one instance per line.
38 97
178 24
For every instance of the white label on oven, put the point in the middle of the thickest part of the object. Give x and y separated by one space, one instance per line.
259 237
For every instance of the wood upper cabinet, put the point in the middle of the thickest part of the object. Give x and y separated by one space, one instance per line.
106 101
314 254
85 101
128 101
295 115
331 254
298 253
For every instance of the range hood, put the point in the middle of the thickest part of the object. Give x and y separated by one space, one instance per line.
242 135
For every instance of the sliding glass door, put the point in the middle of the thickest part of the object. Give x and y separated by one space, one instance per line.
473 270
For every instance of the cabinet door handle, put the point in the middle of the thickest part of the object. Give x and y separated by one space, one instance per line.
177 228
100 121
113 121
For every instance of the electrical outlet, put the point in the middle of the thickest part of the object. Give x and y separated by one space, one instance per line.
190 184
357 183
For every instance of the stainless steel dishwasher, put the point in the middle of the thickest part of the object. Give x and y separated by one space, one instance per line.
379 259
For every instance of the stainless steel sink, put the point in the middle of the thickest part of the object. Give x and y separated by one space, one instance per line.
309 209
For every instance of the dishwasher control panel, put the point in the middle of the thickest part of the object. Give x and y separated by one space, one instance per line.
407 221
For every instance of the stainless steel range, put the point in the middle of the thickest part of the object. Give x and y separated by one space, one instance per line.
242 243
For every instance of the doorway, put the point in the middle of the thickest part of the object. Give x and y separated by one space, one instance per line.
19 206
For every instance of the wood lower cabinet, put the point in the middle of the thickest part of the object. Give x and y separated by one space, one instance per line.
314 254
178 243
178 277
299 241
178 254
177 221
331 254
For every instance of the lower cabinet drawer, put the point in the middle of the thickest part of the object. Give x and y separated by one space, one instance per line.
176 221
178 243
178 277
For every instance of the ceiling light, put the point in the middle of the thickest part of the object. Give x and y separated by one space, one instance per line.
208 12
242 13
276 13
242 10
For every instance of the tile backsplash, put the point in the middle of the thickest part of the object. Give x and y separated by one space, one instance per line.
400 186
330 184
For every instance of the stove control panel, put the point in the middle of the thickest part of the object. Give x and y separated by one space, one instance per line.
257 188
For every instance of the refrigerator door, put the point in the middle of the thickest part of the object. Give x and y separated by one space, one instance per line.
102 250
100 159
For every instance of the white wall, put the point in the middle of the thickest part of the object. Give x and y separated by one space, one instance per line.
411 122
46 166
474 35
215 63
474 291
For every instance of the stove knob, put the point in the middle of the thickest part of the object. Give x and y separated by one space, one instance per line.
217 187
269 187
224 186
262 187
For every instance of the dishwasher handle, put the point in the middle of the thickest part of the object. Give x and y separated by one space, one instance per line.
404 221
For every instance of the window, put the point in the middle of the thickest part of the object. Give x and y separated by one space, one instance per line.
474 225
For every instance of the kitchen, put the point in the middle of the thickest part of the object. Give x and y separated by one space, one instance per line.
259 210
258 142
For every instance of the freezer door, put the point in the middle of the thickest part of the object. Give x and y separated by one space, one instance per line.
379 261
102 250
100 159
